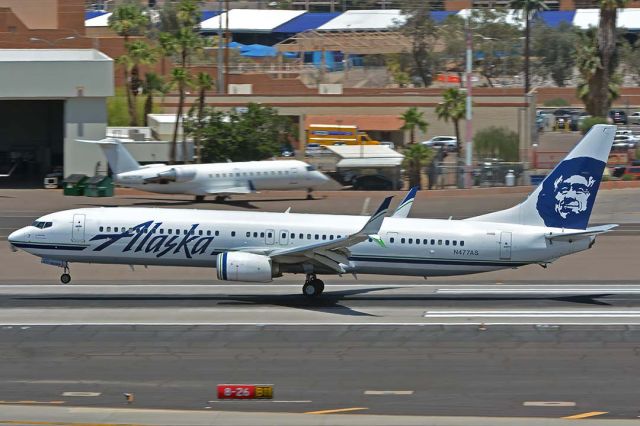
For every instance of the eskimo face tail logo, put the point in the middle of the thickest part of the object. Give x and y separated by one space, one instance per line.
568 193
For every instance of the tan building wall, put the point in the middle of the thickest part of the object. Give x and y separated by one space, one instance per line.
40 14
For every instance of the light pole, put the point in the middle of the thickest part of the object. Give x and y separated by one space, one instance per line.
220 58
469 115
51 43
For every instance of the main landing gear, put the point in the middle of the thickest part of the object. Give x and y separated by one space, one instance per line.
199 198
65 278
313 287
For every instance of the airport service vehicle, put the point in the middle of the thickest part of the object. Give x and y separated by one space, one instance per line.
259 246
330 134
219 179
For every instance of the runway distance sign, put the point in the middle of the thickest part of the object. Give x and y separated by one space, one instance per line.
236 391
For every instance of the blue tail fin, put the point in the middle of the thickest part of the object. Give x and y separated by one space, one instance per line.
566 196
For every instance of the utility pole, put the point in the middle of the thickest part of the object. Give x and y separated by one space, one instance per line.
226 50
468 118
220 58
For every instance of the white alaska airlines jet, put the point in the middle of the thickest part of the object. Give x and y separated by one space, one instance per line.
219 179
258 246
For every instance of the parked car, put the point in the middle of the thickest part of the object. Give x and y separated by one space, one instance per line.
448 143
622 142
313 149
634 118
618 116
576 120
633 170
627 133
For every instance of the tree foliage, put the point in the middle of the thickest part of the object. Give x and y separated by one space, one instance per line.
421 30
555 50
414 119
496 142
630 60
416 157
453 107
528 8
256 134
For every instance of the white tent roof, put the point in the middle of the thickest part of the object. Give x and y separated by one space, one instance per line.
369 162
251 20
98 21
365 20
627 18
364 151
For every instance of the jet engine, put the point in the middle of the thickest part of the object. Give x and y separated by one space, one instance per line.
239 266
174 174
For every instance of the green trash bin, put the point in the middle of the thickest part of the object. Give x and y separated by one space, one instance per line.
75 185
99 186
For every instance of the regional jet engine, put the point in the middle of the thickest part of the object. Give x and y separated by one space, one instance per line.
238 266
174 174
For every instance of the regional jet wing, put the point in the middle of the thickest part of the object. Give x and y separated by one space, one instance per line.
403 209
573 236
334 253
248 189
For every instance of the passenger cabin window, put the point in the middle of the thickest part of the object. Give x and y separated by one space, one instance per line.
217 233
402 240
248 234
446 242
255 235
208 233
433 242
461 243
454 242
101 229
262 235
233 233
391 240
439 242
425 241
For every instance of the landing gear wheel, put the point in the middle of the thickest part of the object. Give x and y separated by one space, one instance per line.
65 278
199 198
313 287
309 194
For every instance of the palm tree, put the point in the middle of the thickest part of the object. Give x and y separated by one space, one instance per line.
152 84
179 77
453 108
528 8
139 53
203 82
127 20
415 158
413 118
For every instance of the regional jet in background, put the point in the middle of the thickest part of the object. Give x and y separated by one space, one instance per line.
259 246
200 180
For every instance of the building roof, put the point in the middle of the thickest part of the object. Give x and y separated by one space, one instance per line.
553 18
89 14
251 20
513 16
52 55
365 20
307 21
208 14
98 21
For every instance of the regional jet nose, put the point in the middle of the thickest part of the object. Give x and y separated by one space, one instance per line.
320 177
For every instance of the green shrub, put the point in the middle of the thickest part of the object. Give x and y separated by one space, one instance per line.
556 102
589 122
606 178
497 142
627 177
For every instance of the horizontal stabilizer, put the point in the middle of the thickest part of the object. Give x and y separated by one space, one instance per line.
573 236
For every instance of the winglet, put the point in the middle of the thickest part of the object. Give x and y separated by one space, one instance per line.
403 209
375 221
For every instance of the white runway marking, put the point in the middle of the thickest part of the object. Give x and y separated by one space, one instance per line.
82 394
380 392
549 404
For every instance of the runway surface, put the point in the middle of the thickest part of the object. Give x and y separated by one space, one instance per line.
486 350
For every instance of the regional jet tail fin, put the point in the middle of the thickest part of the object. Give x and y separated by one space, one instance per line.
404 208
120 160
565 197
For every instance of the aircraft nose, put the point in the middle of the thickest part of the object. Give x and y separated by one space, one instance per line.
16 236
320 177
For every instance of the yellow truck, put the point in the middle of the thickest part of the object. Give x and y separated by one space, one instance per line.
331 134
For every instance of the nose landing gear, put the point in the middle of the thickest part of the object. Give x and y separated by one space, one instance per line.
313 287
65 278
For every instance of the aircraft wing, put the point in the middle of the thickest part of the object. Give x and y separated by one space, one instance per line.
248 189
403 209
572 236
334 253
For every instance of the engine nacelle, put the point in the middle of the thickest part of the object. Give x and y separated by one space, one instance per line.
177 174
239 266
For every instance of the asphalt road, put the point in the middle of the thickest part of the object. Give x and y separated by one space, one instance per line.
533 342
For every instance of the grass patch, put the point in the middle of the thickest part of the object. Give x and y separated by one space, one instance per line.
118 112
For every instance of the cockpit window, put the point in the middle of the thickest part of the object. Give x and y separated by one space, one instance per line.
42 225
311 168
